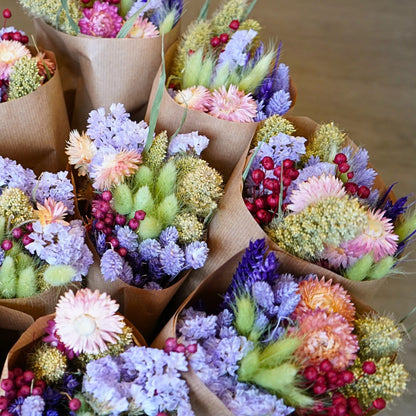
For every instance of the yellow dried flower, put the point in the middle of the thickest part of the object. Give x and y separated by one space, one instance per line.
229 11
24 78
156 154
47 363
271 127
15 205
189 228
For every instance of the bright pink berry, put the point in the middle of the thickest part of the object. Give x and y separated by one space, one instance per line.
369 367
319 389
122 251
351 188
325 366
215 41
133 224
261 214
162 414
37 391
104 206
17 36
74 404
277 171
250 206
331 376
234 25
340 158
363 191
28 376
7 384
350 175
11 395
6 245
3 403
270 184
6 36
24 40
17 232
344 167
120 219
292 173
224 38
286 181
259 203
170 344
379 403
287 163
26 240
107 231
273 200
109 220
106 196
257 175
41 384
29 227
347 376
310 373
140 215
192 348
180 348
114 242
24 391
356 410
100 225
7 14
267 163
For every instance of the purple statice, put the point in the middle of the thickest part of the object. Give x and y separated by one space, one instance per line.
151 286
101 243
126 273
33 406
112 265
196 325
62 244
192 143
235 52
159 14
281 78
246 400
56 186
263 295
115 130
172 259
149 249
13 175
168 235
279 103
196 254
144 6
286 295
155 269
127 237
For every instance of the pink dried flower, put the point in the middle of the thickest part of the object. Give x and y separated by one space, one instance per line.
143 29
102 20
51 211
87 321
233 105
196 98
80 150
10 52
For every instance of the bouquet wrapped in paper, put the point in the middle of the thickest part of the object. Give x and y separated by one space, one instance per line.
222 79
42 249
147 216
272 344
33 118
85 359
310 191
107 51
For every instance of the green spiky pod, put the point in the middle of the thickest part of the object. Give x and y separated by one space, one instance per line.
167 210
8 278
27 282
143 200
156 155
59 275
166 181
150 227
122 199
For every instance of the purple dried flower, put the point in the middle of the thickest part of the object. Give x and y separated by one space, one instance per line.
196 254
112 265
279 103
172 259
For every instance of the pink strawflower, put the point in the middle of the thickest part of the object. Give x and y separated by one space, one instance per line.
233 105
196 98
102 20
10 52
326 336
315 189
143 29
80 150
115 168
51 211
338 257
326 296
378 238
87 321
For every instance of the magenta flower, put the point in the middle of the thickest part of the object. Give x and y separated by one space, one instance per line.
102 20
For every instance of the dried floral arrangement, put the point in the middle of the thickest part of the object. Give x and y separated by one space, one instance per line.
21 72
40 246
108 19
87 360
222 67
280 345
153 197
318 200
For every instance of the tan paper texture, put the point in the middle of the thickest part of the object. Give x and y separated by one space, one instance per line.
233 226
228 139
99 71
142 307
35 127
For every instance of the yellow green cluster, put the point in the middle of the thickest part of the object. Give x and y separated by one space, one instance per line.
24 78
271 127
15 206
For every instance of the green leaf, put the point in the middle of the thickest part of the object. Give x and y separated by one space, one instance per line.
204 11
124 6
71 21
250 8
128 25
156 102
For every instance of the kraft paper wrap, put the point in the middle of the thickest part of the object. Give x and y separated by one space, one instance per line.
17 354
203 401
232 227
34 128
98 71
143 307
227 139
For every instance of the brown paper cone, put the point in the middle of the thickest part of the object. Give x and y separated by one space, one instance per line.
228 139
105 71
203 401
233 226
17 354
143 307
34 128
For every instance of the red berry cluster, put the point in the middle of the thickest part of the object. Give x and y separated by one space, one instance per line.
352 188
17 35
19 233
266 198
105 219
23 384
223 38
171 345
